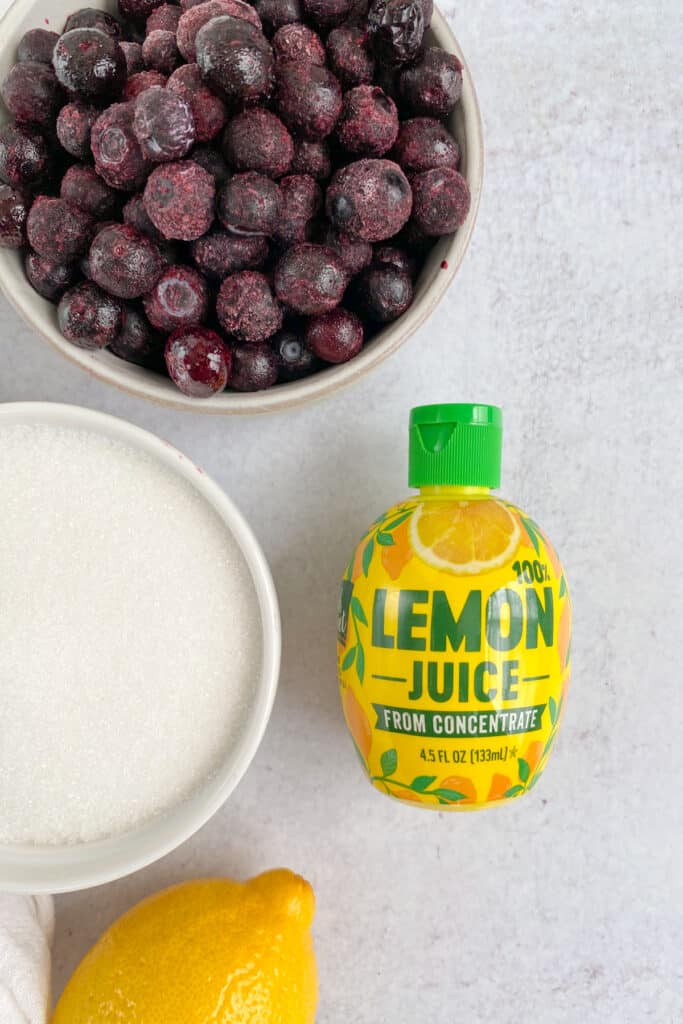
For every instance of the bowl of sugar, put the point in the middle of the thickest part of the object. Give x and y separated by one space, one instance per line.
139 647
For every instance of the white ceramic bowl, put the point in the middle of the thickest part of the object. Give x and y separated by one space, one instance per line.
37 869
438 273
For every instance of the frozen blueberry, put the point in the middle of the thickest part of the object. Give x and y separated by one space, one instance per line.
88 317
74 125
368 123
58 229
135 214
163 125
235 58
298 42
92 17
141 81
246 307
125 262
424 143
14 209
294 358
301 201
328 13
432 86
198 361
441 200
213 162
180 298
163 19
276 13
308 98
160 51
133 54
138 10
82 186
396 29
310 279
350 56
257 140
89 63
250 204
37 45
179 199
137 343
208 110
369 199
395 257
335 337
197 17
355 255
220 253
312 157
46 277
24 156
32 94
118 156
382 292
254 367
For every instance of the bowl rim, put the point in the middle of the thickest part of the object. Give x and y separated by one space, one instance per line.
53 869
451 251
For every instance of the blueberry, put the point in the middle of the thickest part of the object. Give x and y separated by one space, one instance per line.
310 279
247 308
91 64
46 277
254 367
235 58
335 337
37 45
198 361
163 125
125 262
396 29
88 317
14 208
250 204
180 298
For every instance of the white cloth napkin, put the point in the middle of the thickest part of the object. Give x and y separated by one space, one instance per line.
26 930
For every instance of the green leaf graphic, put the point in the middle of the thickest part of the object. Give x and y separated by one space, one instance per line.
385 540
563 587
393 523
357 609
367 556
531 530
548 747
533 781
524 769
552 710
360 663
451 795
349 658
422 782
514 790
389 762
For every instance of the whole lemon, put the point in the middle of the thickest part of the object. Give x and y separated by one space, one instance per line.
207 951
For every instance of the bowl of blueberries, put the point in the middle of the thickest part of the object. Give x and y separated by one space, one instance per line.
230 206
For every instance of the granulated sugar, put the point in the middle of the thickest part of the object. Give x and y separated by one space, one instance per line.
129 637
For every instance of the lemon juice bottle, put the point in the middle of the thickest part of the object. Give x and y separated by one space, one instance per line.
454 627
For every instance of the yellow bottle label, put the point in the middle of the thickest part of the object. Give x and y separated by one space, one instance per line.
454 660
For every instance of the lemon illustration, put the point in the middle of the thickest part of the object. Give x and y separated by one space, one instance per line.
216 950
464 537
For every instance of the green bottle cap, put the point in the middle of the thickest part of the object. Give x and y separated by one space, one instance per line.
455 445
